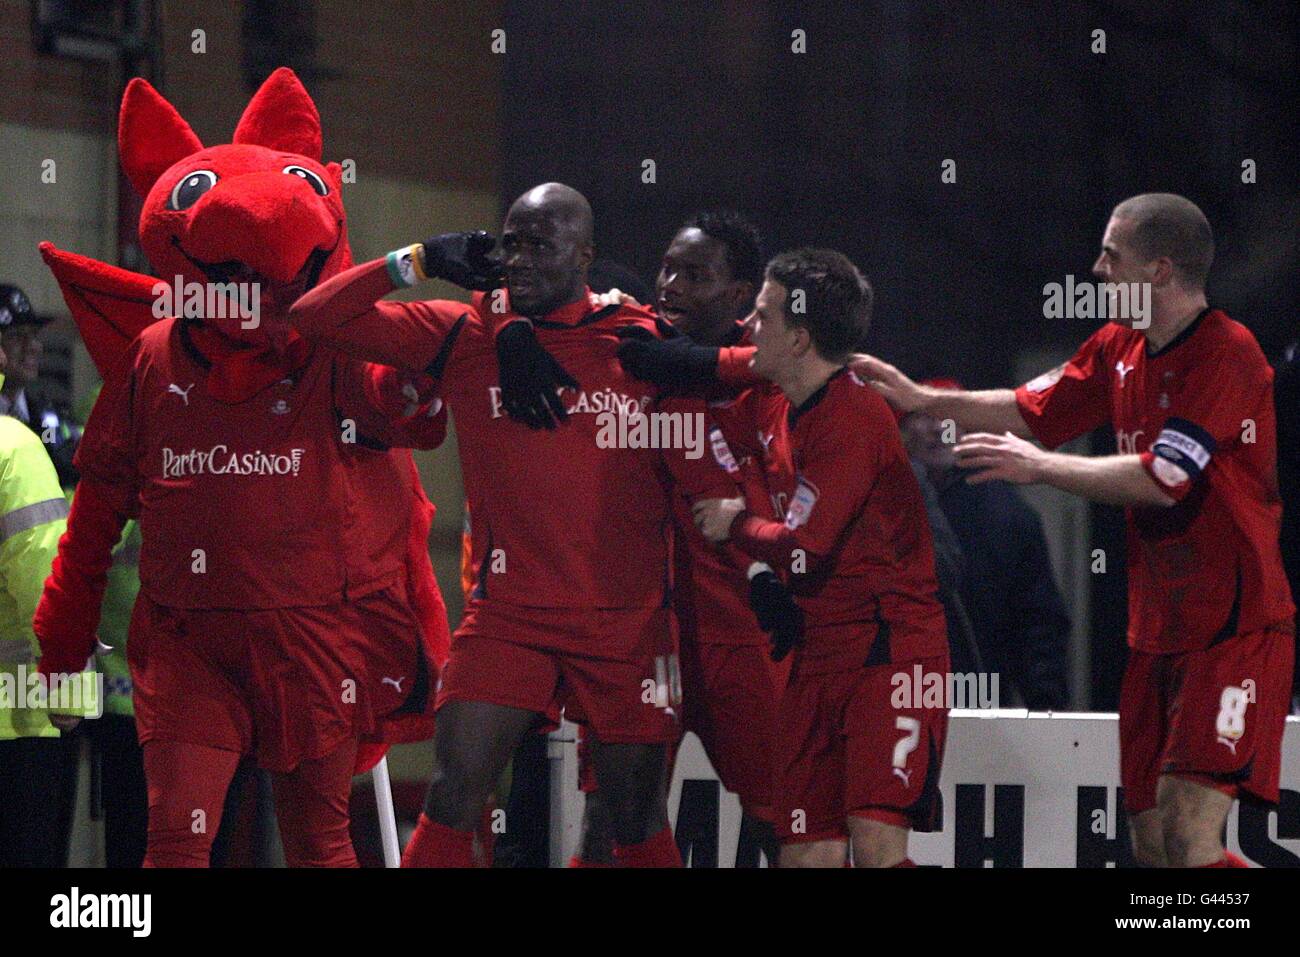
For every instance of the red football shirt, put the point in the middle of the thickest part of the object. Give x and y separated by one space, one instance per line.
855 543
289 497
559 519
1200 414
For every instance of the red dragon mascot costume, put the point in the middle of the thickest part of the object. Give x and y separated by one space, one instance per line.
287 606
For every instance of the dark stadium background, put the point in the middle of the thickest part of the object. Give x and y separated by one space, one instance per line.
841 145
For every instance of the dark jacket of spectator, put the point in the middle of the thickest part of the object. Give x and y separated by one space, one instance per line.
50 420
950 570
1019 619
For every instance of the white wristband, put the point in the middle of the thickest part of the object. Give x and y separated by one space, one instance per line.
404 266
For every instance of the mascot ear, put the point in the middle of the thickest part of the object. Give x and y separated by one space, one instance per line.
151 136
281 116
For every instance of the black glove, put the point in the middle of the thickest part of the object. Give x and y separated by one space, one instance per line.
464 259
777 613
674 363
530 377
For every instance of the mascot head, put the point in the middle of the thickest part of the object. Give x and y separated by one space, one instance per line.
263 209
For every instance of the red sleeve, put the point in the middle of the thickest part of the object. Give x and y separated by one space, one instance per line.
347 313
1209 415
695 471
1073 398
719 478
107 449
736 367
68 614
839 469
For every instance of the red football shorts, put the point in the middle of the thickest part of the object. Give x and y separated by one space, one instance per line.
730 695
603 661
1216 715
285 684
842 749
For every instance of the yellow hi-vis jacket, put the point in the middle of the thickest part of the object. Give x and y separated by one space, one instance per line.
33 514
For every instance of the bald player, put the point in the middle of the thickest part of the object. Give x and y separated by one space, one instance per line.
569 535
1211 621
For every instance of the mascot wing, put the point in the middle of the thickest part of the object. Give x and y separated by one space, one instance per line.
111 306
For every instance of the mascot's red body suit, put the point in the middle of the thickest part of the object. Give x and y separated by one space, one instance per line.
287 606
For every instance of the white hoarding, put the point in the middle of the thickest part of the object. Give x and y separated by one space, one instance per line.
1019 789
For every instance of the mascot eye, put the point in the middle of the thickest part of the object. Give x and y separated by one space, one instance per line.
312 179
187 192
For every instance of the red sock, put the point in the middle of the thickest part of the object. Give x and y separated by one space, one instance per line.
906 862
1229 860
576 861
659 850
436 845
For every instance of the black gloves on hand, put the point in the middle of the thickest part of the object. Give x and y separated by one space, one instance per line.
464 259
530 378
674 363
777 613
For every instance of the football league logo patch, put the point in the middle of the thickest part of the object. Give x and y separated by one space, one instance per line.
1046 380
722 451
801 505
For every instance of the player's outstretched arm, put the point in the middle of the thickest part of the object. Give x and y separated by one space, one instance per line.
836 475
346 312
680 366
988 410
1110 479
